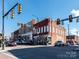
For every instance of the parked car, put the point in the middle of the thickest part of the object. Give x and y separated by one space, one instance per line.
24 42
12 44
59 44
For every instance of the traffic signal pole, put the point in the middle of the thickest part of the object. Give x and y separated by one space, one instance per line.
2 24
10 10
3 16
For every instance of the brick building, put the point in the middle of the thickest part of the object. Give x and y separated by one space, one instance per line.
14 35
72 39
24 32
48 31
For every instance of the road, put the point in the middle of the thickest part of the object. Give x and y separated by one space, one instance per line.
48 52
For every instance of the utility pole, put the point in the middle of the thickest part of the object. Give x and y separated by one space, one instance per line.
68 30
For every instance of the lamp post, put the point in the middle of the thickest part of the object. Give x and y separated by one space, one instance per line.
3 16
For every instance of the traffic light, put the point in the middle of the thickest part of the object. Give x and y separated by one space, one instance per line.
12 14
58 21
62 22
70 18
19 8
77 20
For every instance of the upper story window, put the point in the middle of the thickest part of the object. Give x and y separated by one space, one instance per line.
44 28
41 29
48 29
36 31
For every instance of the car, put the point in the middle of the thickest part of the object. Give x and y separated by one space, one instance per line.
59 44
12 44
23 42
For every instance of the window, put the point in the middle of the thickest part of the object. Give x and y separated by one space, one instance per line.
36 31
41 29
47 28
44 28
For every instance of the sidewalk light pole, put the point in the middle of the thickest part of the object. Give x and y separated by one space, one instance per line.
3 16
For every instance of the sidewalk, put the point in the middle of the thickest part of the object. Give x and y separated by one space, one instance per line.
7 56
4 55
6 49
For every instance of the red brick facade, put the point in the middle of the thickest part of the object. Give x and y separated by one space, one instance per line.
72 39
48 29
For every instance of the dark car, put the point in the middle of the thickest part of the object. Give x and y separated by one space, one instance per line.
24 42
59 44
12 44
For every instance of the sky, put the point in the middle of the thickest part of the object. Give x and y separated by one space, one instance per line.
33 9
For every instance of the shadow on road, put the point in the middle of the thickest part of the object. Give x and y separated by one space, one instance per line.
44 53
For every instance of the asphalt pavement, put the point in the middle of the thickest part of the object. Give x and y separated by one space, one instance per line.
46 52
43 52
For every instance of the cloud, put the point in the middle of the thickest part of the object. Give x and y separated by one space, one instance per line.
74 31
75 12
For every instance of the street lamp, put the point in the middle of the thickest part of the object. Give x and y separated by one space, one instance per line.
3 16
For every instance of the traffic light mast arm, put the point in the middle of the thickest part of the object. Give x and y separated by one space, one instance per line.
10 10
68 18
